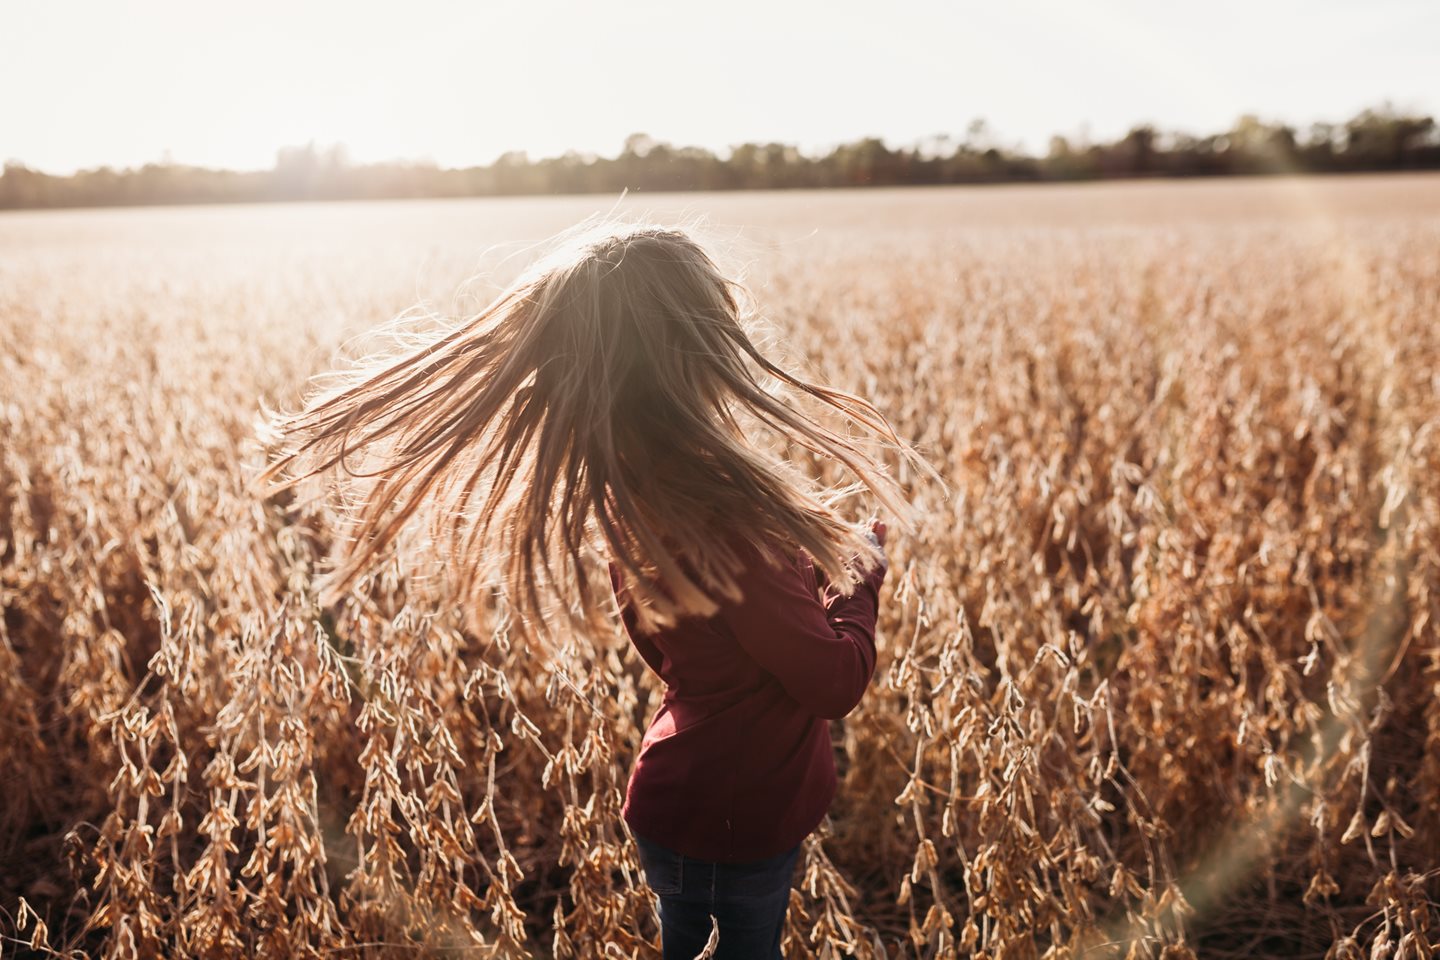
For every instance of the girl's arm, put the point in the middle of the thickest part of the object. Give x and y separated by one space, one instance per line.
824 658
822 580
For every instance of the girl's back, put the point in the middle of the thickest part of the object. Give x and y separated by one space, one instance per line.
737 763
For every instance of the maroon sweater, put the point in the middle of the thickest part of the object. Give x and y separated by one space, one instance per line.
737 763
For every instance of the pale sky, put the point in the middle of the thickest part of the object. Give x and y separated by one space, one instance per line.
124 83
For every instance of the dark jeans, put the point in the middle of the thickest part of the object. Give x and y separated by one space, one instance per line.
748 901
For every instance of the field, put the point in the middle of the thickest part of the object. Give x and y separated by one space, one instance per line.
1159 676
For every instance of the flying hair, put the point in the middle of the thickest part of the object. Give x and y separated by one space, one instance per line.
604 406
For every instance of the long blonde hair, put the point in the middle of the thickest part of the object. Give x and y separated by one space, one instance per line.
598 405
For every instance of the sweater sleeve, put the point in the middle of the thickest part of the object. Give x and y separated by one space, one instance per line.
824 658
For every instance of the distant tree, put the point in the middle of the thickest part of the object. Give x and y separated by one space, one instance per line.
1137 150
865 161
296 169
1063 162
935 146
978 137
1380 139
1259 147
638 145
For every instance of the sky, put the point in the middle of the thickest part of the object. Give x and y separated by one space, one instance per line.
85 84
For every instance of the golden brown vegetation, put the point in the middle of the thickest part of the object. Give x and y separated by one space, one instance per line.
1159 679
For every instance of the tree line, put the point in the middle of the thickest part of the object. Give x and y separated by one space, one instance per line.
1376 139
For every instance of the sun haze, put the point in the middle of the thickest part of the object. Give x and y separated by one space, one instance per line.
89 84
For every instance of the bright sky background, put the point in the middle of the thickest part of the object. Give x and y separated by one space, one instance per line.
121 83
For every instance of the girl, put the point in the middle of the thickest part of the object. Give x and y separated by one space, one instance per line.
603 407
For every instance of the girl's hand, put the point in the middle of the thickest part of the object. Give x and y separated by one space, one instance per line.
876 533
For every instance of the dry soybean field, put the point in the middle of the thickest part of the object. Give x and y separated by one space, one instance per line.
1159 676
